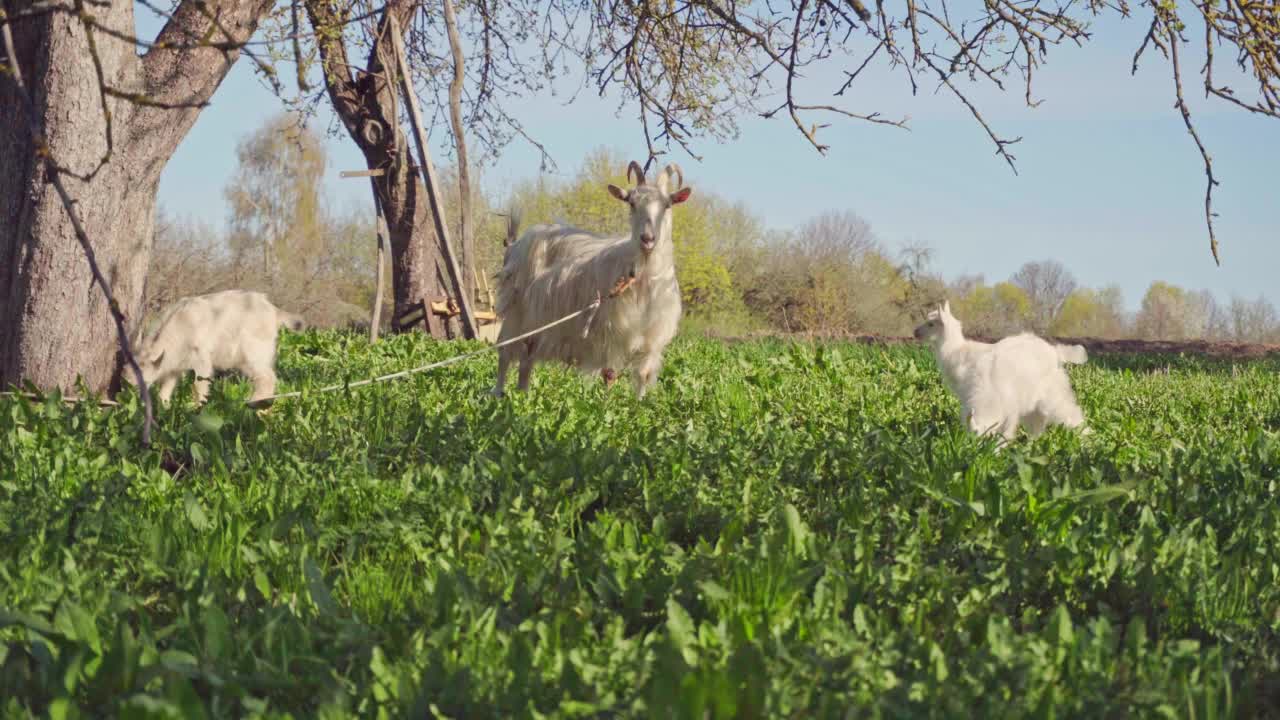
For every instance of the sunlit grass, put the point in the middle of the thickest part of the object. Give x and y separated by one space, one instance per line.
778 530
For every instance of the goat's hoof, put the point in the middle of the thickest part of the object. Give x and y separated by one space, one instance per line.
497 393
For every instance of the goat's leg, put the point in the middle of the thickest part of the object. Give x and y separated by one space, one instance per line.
504 363
1069 414
986 424
524 373
203 367
1009 428
167 386
1034 422
264 383
647 373
981 423
1059 405
526 364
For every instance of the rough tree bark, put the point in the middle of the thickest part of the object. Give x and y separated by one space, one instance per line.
366 104
54 324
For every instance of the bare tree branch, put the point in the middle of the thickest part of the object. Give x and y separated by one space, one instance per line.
1210 181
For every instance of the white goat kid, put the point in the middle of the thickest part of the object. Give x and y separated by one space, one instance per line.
229 330
554 270
1017 381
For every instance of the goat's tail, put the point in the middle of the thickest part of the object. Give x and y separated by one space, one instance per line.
1073 354
513 227
524 260
292 321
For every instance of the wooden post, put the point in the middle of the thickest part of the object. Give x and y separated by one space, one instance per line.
429 179
434 324
375 318
380 229
488 292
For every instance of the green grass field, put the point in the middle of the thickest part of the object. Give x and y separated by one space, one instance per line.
779 530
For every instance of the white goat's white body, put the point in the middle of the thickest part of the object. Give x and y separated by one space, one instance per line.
229 330
554 270
1018 381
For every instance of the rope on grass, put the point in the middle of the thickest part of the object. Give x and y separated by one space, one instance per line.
595 304
69 399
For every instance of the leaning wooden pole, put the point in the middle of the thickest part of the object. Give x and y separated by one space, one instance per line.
465 225
380 230
433 188
375 318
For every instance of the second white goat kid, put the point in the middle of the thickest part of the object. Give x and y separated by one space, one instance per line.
229 330
554 270
1018 381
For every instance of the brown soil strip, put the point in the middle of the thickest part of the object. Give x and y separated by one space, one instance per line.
1208 348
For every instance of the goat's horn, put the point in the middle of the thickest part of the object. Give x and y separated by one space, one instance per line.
674 169
639 171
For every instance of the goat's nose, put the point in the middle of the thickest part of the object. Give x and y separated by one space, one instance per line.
647 238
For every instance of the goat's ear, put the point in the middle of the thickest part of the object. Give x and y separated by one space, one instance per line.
681 195
619 193
155 361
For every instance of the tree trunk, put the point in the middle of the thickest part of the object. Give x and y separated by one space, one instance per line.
55 324
367 105
417 269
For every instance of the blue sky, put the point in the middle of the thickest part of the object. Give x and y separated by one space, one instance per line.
1109 182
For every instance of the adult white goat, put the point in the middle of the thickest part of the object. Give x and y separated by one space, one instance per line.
228 330
554 270
1017 381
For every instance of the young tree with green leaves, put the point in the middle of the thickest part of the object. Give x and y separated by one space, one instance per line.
1091 313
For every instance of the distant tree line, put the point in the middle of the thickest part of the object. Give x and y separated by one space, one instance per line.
829 276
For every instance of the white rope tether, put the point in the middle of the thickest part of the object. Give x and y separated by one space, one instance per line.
435 365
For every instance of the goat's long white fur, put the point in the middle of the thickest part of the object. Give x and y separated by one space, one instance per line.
228 330
555 269
1018 381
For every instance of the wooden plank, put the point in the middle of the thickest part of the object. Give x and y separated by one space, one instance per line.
375 315
445 307
429 176
410 318
407 319
437 326
493 305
